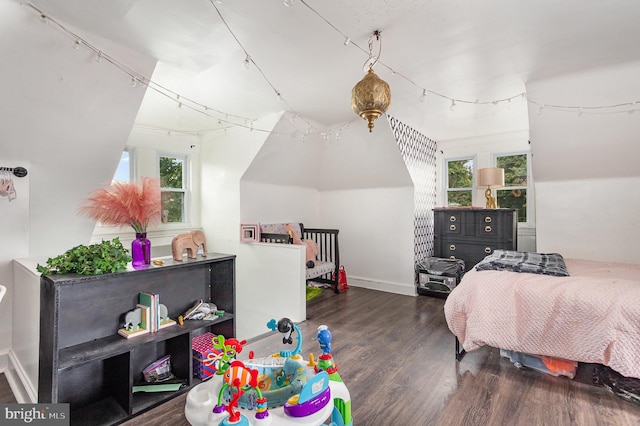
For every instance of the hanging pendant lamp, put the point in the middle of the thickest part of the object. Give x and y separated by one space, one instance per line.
371 96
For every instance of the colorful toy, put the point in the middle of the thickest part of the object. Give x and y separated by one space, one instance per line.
274 390
324 339
287 327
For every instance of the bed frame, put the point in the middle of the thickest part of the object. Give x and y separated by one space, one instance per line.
328 250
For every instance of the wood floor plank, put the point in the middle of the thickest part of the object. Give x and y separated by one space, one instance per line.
396 355
6 396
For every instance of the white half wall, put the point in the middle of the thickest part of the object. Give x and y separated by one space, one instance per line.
14 229
22 371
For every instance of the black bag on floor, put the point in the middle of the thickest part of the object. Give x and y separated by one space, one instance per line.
437 276
625 387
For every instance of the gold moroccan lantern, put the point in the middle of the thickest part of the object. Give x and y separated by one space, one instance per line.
371 97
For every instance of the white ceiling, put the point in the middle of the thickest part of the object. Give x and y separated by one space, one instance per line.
468 50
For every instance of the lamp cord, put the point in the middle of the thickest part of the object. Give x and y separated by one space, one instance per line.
375 34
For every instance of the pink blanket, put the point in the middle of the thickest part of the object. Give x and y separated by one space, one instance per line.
591 316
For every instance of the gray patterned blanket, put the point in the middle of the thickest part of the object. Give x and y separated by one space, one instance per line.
519 261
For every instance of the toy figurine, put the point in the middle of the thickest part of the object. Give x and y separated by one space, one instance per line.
287 327
324 339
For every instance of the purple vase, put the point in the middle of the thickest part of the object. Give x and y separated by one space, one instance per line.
141 250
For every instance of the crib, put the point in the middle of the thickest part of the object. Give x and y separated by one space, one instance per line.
327 261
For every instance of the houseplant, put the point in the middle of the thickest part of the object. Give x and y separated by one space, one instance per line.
135 204
95 259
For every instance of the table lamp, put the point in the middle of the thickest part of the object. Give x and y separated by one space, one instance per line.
491 177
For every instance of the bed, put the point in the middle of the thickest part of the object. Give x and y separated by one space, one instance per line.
592 315
327 262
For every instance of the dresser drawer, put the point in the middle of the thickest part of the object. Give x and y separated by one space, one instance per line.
453 223
490 225
471 253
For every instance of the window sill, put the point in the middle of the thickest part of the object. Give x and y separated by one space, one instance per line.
159 237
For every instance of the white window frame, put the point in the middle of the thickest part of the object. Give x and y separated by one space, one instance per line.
186 189
446 178
529 187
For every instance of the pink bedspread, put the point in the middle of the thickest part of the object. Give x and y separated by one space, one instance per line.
591 316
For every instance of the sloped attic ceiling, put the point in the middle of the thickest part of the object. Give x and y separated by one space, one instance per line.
478 53
354 159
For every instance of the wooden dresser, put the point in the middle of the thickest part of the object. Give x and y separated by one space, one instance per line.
472 234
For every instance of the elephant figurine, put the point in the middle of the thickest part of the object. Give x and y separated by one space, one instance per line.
133 319
189 241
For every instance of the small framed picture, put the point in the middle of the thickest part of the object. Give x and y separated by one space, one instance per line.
249 232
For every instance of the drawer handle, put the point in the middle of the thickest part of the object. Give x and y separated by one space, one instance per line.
452 227
487 219
452 218
487 228
487 250
452 247
452 257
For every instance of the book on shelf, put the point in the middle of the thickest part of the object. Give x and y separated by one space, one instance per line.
151 301
168 386
153 316
192 310
146 316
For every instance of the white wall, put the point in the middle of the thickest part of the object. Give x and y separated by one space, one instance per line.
586 164
267 203
68 115
66 118
376 235
594 219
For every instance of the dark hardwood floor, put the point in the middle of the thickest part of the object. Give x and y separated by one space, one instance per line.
396 355
6 396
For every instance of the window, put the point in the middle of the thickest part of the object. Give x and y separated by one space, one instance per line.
124 172
173 188
514 193
459 182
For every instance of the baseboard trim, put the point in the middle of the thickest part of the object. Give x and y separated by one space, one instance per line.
389 287
22 388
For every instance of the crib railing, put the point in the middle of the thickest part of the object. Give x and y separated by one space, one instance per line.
328 251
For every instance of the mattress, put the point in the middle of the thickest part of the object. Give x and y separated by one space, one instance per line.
321 268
